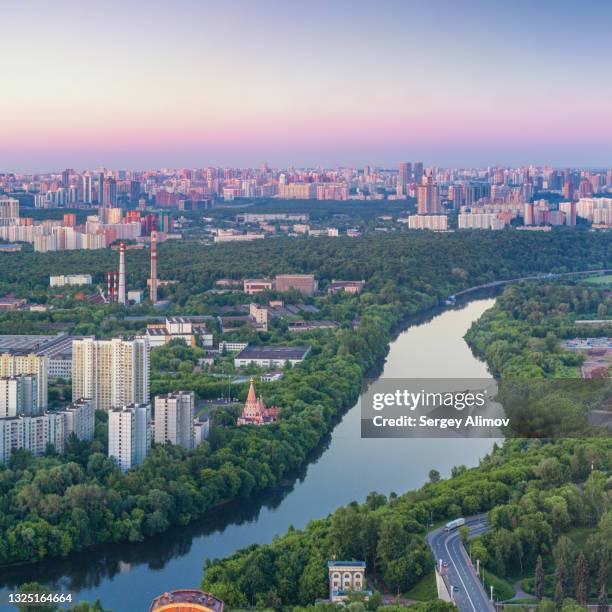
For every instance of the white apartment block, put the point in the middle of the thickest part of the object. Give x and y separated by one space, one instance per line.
129 434
9 211
33 433
430 222
18 396
174 418
111 372
587 207
37 365
79 419
480 221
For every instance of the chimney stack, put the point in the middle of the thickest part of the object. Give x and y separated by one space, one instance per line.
153 287
121 299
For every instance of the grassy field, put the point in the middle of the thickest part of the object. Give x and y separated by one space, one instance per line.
602 281
502 589
424 590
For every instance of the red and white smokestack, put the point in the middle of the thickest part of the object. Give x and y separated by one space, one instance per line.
109 296
115 287
153 279
121 298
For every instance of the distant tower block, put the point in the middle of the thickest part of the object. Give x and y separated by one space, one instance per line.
153 279
121 298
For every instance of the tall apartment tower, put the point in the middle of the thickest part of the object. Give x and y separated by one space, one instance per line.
36 365
428 197
129 434
9 211
174 416
153 279
404 177
111 372
87 188
417 172
18 396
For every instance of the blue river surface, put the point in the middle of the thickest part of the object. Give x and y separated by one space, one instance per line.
126 577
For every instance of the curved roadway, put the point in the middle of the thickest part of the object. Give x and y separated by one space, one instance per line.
469 593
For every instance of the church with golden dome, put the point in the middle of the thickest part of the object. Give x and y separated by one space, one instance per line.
255 411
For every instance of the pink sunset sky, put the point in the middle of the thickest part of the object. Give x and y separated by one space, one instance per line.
144 84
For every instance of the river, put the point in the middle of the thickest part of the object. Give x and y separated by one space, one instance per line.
126 577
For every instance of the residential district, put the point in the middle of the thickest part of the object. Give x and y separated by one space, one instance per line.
126 205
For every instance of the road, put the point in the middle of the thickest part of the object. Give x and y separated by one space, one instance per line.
471 596
542 277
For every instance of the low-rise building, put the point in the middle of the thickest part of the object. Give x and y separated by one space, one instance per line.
271 356
350 286
310 325
69 279
304 283
257 285
178 328
345 578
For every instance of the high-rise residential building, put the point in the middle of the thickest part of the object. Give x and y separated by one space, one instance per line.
87 186
297 191
417 172
66 177
9 211
428 197
18 396
17 363
109 197
79 419
174 418
100 188
111 372
529 213
404 177
569 210
34 432
134 191
129 434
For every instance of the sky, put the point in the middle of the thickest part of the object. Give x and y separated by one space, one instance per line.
143 84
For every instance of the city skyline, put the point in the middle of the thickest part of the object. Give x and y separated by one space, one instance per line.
201 84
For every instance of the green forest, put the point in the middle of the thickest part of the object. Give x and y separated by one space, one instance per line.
54 505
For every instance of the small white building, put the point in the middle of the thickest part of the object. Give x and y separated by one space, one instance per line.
345 577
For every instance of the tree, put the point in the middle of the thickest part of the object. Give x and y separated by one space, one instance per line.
538 584
581 576
602 600
434 476
558 595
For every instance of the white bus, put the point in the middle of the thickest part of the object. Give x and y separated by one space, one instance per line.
454 524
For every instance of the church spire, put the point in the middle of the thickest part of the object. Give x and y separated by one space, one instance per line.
251 396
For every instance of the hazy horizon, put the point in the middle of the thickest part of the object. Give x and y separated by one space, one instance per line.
198 83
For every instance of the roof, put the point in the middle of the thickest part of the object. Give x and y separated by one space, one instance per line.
333 563
279 353
59 345
187 596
